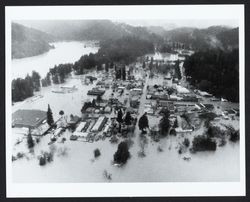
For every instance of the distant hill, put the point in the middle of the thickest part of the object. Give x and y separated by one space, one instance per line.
90 29
27 42
221 37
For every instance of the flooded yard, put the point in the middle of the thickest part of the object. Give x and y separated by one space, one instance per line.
74 160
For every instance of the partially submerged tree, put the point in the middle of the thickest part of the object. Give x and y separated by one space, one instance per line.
122 154
128 119
203 143
61 113
143 122
119 118
164 124
50 119
97 153
30 140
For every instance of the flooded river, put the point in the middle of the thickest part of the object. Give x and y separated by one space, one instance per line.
64 52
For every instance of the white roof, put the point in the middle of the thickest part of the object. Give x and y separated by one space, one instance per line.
182 89
58 131
98 123
80 134
80 127
136 89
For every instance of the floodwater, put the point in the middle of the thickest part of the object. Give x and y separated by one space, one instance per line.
77 163
64 52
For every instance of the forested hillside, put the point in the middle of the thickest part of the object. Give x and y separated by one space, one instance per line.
27 42
216 72
218 37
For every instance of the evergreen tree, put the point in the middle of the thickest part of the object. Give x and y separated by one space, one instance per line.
143 122
55 79
30 140
128 118
48 80
50 119
99 99
124 73
36 80
119 118
93 104
122 154
164 124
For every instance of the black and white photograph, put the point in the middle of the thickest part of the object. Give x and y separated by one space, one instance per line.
125 100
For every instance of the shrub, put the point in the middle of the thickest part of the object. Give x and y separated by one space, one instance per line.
141 154
159 149
49 156
203 143
122 154
186 142
30 141
222 142
97 153
62 151
20 155
37 140
42 160
113 139
214 131
234 136
208 116
13 158
46 157
172 132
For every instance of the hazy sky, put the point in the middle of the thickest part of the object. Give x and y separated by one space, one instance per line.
168 24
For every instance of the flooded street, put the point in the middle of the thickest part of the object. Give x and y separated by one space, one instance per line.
74 160
78 163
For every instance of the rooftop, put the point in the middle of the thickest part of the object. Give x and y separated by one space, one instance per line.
28 118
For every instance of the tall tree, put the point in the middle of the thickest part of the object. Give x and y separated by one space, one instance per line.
30 141
164 124
99 99
36 80
119 118
124 73
122 154
143 122
50 119
128 119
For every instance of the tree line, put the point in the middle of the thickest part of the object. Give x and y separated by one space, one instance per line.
24 88
124 50
215 71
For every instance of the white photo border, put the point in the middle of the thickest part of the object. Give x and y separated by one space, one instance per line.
212 12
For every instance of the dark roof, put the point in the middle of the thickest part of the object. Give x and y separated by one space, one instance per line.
28 118
74 119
